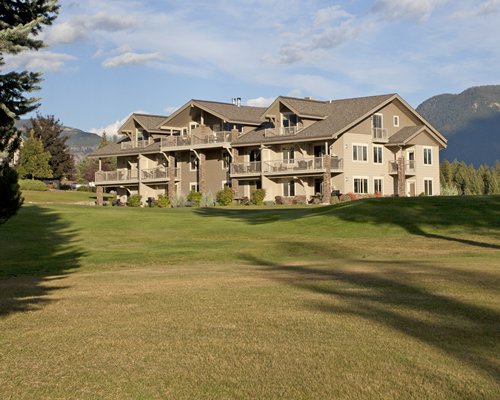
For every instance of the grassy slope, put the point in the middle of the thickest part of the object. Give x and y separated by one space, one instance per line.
384 298
59 197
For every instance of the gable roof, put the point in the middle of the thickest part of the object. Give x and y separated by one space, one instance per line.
226 111
402 136
339 115
149 122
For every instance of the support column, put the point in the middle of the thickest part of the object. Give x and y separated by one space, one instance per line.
203 173
99 193
235 184
171 178
327 178
401 177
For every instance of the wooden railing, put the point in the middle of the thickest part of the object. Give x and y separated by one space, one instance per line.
119 175
379 135
253 167
213 137
409 167
140 144
311 164
281 131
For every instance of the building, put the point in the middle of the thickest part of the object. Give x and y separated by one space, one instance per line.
294 147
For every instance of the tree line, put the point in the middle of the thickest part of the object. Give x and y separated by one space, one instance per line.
458 178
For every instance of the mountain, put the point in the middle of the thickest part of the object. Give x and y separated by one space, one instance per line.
470 121
80 143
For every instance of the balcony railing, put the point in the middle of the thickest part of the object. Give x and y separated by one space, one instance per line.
380 135
281 131
139 144
409 167
211 138
154 173
281 167
119 175
245 168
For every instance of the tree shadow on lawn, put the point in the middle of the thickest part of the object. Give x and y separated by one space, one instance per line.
392 294
479 215
38 248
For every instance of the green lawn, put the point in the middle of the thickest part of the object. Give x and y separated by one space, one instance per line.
60 197
373 299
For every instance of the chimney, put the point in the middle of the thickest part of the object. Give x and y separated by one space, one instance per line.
308 98
238 101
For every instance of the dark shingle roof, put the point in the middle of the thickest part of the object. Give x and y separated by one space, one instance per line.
401 136
149 121
340 114
232 112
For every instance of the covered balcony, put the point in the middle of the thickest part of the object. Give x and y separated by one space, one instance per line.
182 142
118 176
409 167
379 135
252 168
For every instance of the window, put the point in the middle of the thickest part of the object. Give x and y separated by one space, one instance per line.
377 121
226 159
360 152
427 156
193 163
361 185
193 126
289 188
428 186
289 155
395 121
193 187
378 185
377 154
289 120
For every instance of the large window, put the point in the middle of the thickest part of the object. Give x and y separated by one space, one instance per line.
377 154
428 187
377 121
360 152
427 156
378 186
226 159
361 185
289 188
289 120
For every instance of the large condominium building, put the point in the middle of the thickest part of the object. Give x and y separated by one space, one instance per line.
294 147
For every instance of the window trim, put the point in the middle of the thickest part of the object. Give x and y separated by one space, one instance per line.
395 121
424 148
362 145
354 178
222 159
196 185
288 185
431 180
191 169
378 146
381 178
381 120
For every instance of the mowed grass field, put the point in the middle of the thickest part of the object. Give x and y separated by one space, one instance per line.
373 299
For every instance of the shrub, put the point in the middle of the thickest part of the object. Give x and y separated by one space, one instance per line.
283 200
245 201
269 203
299 200
353 196
449 190
194 198
134 200
178 201
162 201
334 200
28 184
207 200
257 196
65 186
83 188
344 197
225 196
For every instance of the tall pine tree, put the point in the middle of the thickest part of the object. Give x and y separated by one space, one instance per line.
34 159
49 130
21 22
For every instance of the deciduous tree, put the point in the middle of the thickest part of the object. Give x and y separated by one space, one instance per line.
34 159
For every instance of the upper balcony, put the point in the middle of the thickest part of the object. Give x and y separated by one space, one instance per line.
281 131
123 176
379 135
303 166
409 167
184 142
140 144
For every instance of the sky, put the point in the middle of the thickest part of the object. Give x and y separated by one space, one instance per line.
107 59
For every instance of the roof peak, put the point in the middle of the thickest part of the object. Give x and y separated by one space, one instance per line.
227 104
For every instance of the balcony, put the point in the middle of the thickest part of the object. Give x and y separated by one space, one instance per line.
117 176
379 135
311 165
409 167
158 174
140 144
213 139
246 168
281 131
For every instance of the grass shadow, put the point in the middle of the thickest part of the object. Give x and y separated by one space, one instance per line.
49 251
390 295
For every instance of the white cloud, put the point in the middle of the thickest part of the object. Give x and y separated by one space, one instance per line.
130 58
329 14
260 101
398 9
41 61
171 109
483 9
112 128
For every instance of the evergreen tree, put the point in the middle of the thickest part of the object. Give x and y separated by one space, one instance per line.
446 173
49 130
21 22
34 160
461 178
108 163
86 170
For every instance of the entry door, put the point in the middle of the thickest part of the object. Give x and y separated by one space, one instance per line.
412 189
254 155
319 151
318 186
411 159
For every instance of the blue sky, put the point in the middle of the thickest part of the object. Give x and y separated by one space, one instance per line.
106 59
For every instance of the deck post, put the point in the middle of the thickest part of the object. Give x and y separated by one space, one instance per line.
171 178
401 177
234 182
327 179
99 193
203 172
